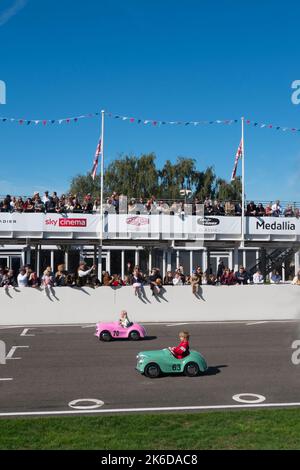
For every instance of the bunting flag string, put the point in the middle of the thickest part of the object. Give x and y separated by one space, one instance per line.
271 126
45 122
156 122
149 122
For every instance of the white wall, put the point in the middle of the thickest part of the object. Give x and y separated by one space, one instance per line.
29 306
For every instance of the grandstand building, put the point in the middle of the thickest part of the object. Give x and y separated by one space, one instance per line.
157 240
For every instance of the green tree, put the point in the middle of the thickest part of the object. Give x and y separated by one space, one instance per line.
205 185
133 176
84 184
229 191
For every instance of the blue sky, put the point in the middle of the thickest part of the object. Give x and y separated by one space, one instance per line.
168 60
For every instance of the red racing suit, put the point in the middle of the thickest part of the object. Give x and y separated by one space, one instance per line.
181 350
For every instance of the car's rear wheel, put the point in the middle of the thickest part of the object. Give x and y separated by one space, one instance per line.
191 369
105 336
152 370
134 335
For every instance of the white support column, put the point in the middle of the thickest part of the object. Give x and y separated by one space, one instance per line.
150 260
95 255
177 259
137 258
204 260
297 262
108 261
231 262
23 257
52 261
257 255
67 258
235 259
283 271
28 255
244 258
164 263
38 259
122 264
191 262
169 260
100 263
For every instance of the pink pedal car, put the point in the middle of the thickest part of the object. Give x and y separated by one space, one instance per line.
113 330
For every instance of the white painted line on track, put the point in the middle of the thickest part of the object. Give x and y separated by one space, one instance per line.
139 410
4 379
25 332
256 323
228 322
177 324
13 350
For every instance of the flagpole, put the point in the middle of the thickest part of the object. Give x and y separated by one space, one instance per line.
101 196
243 184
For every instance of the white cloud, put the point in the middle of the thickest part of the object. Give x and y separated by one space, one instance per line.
11 11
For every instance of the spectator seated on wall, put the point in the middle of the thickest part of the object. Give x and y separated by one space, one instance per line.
22 277
83 273
296 280
275 277
241 276
177 280
155 281
227 278
137 280
168 279
61 276
258 278
7 278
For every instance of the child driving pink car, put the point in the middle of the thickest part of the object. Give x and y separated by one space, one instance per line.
124 320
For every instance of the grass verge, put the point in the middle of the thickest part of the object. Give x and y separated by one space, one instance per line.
247 429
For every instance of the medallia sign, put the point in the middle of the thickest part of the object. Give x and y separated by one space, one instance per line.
273 225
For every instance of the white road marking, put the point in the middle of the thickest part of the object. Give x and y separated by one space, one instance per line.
177 324
256 323
13 350
257 398
238 322
97 404
138 410
6 378
2 352
25 331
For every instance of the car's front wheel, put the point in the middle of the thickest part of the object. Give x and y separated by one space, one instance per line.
152 370
105 336
191 369
134 335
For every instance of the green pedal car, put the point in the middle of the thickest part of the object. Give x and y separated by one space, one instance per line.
162 361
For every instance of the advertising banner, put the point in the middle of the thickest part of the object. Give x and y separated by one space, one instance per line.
273 226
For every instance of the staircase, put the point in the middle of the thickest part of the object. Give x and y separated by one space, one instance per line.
274 260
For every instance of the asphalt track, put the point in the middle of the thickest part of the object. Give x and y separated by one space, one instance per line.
60 364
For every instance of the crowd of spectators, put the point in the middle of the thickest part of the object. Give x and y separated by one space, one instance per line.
50 204
49 279
72 203
87 276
